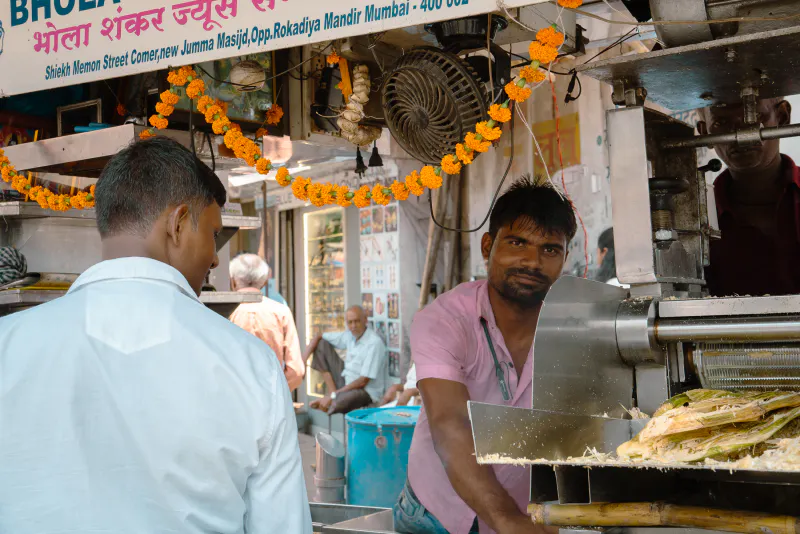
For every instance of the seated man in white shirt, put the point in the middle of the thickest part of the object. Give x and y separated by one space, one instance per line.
127 406
363 379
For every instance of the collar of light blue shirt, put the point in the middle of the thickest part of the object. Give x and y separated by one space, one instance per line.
133 268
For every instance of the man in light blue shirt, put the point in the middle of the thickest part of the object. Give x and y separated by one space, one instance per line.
363 380
127 406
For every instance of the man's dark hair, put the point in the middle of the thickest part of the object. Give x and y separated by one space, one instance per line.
608 269
148 177
538 204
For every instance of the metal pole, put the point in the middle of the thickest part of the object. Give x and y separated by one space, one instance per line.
749 134
726 329
432 251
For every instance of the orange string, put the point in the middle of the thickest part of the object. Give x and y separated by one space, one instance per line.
564 183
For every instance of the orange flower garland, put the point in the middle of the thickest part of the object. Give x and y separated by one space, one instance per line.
400 190
41 195
380 195
572 4
274 115
543 51
360 198
499 113
464 153
550 36
333 58
451 164
340 192
488 133
283 177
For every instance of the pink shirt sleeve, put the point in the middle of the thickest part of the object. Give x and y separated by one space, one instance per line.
438 347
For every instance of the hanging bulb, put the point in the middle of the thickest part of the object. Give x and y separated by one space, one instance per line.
375 160
360 167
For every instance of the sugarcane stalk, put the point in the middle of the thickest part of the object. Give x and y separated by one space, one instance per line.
660 515
708 443
716 412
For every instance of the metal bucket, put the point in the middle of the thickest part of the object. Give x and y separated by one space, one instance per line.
378 440
329 480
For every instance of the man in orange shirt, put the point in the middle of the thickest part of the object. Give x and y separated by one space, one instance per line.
268 320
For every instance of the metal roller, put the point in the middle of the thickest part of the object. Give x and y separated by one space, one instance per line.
751 367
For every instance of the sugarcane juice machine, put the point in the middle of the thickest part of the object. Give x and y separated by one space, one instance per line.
600 350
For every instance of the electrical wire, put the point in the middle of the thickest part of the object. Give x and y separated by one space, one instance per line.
564 185
494 198
211 148
287 71
191 132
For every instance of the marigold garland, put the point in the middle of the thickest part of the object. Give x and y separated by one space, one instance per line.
164 110
430 178
571 4
451 164
517 93
196 88
487 132
550 36
341 192
283 177
477 144
274 115
380 195
299 188
399 190
543 51
414 184
263 166
333 58
361 197
464 153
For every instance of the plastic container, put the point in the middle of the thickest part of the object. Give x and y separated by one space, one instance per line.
378 440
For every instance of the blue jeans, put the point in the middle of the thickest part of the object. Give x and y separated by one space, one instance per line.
411 517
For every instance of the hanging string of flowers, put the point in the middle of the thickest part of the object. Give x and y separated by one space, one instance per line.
543 51
43 195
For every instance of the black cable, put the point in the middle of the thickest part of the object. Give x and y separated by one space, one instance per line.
609 47
211 148
496 193
191 129
571 87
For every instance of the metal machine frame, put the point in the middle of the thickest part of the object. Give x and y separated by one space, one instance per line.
600 350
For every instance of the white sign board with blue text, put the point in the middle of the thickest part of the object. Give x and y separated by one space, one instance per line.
52 43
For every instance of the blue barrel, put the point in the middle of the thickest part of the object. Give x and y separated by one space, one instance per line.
378 440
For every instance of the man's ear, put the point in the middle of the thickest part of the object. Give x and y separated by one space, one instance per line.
486 246
783 110
178 223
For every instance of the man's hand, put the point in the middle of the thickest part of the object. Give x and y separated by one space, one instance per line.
446 406
391 394
323 404
406 396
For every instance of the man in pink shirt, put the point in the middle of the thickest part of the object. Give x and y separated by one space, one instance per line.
270 321
475 343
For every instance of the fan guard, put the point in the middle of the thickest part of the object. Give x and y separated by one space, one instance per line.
431 100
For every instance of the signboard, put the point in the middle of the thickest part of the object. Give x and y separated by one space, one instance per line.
52 43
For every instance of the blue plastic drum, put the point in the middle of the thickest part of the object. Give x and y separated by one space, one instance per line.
378 440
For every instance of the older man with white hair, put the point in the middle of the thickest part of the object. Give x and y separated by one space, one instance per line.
270 321
360 380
